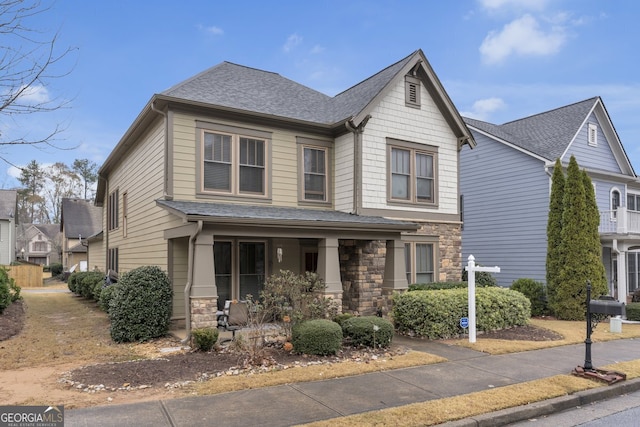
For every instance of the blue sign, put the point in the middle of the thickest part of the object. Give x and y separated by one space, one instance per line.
464 322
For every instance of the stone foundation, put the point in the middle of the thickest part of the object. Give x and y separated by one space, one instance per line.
362 272
449 248
203 312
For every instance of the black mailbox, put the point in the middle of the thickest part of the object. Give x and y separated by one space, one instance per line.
608 307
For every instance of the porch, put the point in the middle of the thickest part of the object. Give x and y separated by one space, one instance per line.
619 221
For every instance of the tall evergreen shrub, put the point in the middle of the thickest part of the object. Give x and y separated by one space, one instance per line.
598 274
554 230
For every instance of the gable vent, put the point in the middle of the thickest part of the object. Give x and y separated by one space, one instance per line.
593 135
412 92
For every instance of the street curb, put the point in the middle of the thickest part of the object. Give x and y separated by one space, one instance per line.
546 407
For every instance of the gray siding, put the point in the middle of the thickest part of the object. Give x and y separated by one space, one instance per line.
506 201
600 157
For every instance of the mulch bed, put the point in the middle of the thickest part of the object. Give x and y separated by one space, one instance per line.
12 320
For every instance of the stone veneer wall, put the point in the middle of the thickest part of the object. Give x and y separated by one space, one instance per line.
362 264
450 249
203 312
361 272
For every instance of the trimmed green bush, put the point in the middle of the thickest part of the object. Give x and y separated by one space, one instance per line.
633 311
436 314
368 331
140 308
72 282
9 290
204 338
55 269
317 336
105 296
340 318
535 291
436 286
5 297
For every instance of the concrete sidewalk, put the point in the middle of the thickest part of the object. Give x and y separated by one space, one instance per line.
465 372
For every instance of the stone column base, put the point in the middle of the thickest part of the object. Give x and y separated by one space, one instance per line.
335 296
203 312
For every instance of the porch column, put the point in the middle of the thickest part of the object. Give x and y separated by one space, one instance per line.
623 285
204 293
329 267
395 275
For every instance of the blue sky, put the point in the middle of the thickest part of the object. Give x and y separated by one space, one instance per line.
499 60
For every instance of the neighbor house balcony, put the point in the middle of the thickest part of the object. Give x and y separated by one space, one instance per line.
619 221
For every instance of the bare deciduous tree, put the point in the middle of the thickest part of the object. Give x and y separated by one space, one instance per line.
29 61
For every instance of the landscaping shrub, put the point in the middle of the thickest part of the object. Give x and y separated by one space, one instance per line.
140 307
483 278
436 286
535 291
72 282
635 297
340 318
436 314
318 336
105 297
9 290
89 281
204 338
55 269
368 331
633 311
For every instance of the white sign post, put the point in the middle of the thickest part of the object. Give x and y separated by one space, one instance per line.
471 270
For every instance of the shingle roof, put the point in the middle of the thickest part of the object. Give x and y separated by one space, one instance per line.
243 88
80 218
8 201
49 230
546 134
282 215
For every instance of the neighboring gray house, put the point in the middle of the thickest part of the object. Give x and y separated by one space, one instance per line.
8 208
506 181
80 219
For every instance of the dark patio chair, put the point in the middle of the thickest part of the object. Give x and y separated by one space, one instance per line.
235 318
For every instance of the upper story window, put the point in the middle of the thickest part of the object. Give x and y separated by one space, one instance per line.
412 173
593 135
412 92
633 202
112 212
234 161
314 170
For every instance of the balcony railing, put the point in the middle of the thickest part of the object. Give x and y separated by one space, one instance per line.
619 221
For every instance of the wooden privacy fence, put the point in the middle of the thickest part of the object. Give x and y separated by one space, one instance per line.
26 276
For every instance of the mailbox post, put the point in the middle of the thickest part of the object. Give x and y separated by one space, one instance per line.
608 307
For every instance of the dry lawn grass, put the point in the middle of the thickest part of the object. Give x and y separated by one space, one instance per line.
56 338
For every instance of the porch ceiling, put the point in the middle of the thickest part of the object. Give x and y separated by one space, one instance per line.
271 216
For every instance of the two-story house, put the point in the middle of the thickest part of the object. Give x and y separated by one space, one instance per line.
79 220
238 173
39 243
506 183
8 209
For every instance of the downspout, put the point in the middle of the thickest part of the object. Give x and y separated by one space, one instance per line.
187 288
357 160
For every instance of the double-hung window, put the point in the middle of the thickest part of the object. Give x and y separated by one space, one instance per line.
419 262
412 173
313 170
235 161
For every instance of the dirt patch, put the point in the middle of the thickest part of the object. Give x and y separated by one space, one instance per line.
522 333
12 320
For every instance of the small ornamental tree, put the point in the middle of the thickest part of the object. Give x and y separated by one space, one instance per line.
554 229
598 274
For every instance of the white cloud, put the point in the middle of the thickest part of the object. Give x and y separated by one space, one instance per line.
524 37
317 49
483 108
34 95
494 5
213 30
292 41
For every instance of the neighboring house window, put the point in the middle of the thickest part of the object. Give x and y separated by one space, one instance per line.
314 170
419 262
615 202
593 135
412 92
235 161
633 202
633 264
112 259
112 218
240 269
39 247
125 213
412 173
